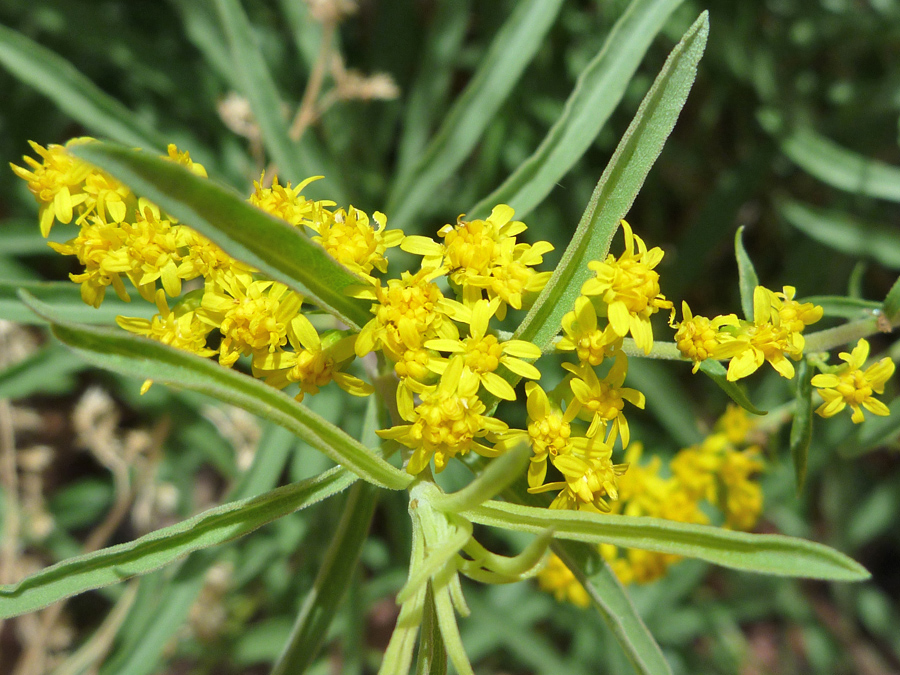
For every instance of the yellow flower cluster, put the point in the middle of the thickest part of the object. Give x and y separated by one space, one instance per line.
720 472
849 384
774 334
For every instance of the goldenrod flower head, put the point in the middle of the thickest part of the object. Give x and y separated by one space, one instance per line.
316 361
735 424
154 245
183 157
205 259
743 496
482 256
180 328
447 422
853 386
104 251
590 477
407 311
629 287
696 469
253 316
699 338
483 353
603 401
286 202
774 334
590 343
351 240
558 579
549 432
106 197
56 181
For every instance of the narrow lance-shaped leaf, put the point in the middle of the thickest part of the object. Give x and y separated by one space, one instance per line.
615 606
64 298
249 234
801 427
764 553
597 92
844 307
116 563
511 51
332 580
844 233
143 358
717 373
891 304
833 164
618 186
747 278
74 93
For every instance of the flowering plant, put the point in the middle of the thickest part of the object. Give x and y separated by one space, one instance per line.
264 300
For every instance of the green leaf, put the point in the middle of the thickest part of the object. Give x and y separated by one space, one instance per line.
615 606
152 551
429 92
47 371
844 233
142 358
258 86
432 659
764 553
249 234
331 582
833 164
618 186
891 304
511 51
597 92
801 427
717 373
76 95
64 297
747 274
843 307
489 482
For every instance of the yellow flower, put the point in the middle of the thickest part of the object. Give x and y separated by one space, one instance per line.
584 337
630 289
105 196
774 334
351 240
253 316
484 353
56 182
735 424
603 401
314 362
853 386
286 202
482 256
743 496
154 249
699 338
407 311
179 328
558 579
183 157
203 258
447 422
590 477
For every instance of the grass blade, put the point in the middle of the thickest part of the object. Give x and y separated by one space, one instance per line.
73 93
142 358
892 302
511 51
152 551
597 92
618 186
244 231
764 553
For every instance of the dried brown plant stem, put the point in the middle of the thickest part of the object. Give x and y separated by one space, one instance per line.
9 547
32 661
308 111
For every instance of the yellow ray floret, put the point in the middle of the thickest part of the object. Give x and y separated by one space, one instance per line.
853 386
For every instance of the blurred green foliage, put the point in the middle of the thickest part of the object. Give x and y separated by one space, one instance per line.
795 112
